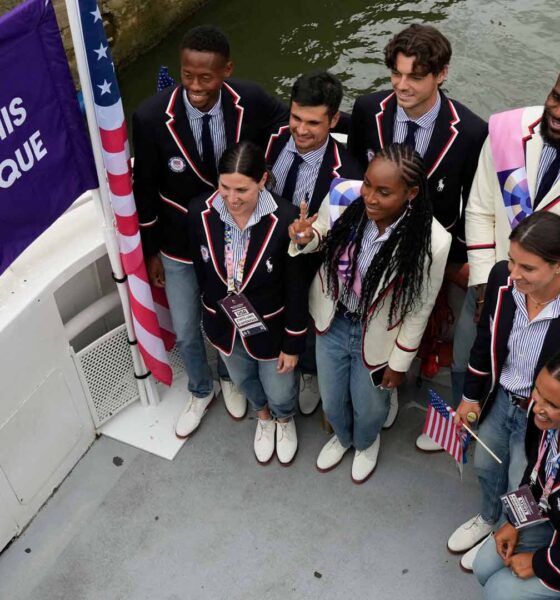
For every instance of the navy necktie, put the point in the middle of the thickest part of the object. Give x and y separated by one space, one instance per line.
291 178
548 179
411 129
208 156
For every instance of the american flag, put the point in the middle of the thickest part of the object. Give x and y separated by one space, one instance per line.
150 311
440 428
164 79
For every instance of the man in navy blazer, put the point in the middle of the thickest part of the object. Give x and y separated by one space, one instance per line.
179 136
445 133
304 159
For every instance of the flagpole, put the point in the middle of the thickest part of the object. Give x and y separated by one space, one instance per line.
148 392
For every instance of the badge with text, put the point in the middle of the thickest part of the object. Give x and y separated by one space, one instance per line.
522 508
242 314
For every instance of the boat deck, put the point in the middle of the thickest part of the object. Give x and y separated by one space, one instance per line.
213 524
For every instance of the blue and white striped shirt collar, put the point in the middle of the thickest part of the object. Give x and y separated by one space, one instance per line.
194 113
426 120
550 311
312 158
266 205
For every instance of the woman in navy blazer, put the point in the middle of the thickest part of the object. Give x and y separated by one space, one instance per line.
239 244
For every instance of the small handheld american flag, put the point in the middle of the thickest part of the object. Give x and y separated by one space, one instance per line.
440 428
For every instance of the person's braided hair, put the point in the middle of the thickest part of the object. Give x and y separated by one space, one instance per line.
400 261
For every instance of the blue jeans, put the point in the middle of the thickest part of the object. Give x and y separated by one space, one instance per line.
497 579
503 430
355 408
183 295
463 340
261 383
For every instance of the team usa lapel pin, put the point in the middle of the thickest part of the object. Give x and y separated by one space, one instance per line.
177 164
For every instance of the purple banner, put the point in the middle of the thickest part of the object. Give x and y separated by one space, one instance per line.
46 160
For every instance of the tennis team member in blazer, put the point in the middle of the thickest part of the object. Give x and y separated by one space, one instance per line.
518 331
384 261
304 159
524 564
444 132
239 242
179 136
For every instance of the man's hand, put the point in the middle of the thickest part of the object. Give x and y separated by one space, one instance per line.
155 271
391 379
300 230
463 410
480 293
506 539
286 362
522 565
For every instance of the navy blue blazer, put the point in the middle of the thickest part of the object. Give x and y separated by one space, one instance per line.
451 158
546 560
168 169
273 281
490 348
337 162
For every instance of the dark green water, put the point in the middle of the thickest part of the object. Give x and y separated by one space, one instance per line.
506 53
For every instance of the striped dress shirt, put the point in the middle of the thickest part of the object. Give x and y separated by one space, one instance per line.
217 126
425 129
548 154
307 174
525 343
265 206
371 245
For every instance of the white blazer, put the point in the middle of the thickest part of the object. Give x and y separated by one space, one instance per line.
382 344
487 226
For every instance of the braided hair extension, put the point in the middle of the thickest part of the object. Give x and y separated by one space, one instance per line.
400 261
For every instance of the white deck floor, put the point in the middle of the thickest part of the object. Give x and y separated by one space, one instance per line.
213 524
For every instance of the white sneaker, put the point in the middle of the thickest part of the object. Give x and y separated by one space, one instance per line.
393 409
192 414
424 443
365 462
467 560
264 440
331 454
286 441
235 401
309 396
469 534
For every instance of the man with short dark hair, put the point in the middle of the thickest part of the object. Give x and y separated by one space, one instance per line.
445 133
179 136
305 159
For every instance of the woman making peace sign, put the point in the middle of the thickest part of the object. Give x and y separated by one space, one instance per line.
371 299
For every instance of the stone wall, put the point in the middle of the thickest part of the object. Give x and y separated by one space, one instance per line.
132 26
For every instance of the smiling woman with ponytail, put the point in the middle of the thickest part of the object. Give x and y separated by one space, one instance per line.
384 257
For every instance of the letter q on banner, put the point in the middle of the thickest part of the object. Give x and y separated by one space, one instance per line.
46 160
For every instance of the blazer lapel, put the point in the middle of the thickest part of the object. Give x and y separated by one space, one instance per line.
443 135
502 323
214 232
181 132
327 172
385 120
533 149
261 234
276 144
233 114
550 344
